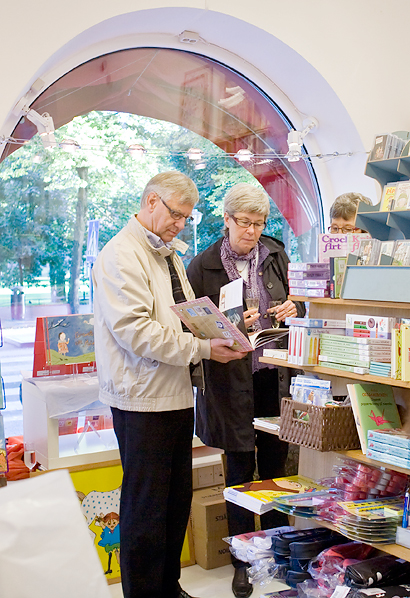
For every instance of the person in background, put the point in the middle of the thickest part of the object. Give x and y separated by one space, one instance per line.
143 359
237 392
343 213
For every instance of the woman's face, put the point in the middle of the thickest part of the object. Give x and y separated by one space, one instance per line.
241 239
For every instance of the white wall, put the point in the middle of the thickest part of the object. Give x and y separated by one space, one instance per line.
342 61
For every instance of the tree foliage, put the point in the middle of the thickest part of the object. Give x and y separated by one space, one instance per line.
40 192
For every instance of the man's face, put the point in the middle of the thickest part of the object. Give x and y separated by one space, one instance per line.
163 224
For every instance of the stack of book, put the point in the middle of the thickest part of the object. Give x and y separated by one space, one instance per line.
373 252
389 446
362 326
308 279
386 146
352 354
304 337
380 369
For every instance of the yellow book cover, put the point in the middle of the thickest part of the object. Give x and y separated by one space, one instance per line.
389 191
257 495
405 352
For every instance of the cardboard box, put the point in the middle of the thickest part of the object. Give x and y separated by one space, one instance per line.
209 526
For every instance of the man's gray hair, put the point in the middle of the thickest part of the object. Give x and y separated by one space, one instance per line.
345 206
170 183
245 197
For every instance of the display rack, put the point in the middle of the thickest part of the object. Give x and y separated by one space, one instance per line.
314 464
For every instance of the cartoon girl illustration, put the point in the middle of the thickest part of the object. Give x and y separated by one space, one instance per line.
290 486
110 536
62 344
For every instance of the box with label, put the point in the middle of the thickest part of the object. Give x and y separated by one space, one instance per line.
209 526
369 326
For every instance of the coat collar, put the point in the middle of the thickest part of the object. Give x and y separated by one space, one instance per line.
139 231
212 256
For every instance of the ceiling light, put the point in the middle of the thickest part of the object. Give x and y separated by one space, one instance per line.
244 155
69 145
194 153
45 127
136 151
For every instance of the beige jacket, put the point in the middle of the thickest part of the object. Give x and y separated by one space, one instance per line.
141 352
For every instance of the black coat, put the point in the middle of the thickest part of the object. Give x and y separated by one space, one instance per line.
225 411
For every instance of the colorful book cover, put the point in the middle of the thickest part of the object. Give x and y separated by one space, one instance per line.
387 200
402 196
387 252
381 147
257 496
401 256
204 320
62 342
335 245
368 253
373 407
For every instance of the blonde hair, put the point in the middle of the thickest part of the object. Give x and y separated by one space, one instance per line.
170 183
345 206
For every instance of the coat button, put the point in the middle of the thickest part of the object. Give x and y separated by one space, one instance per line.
269 285
281 377
265 316
260 273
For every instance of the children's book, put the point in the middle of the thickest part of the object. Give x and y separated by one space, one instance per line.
337 272
369 252
387 200
257 496
381 147
386 253
63 342
374 408
401 256
402 196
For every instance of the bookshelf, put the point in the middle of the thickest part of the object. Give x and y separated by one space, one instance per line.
314 464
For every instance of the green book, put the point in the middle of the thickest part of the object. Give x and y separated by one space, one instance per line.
374 408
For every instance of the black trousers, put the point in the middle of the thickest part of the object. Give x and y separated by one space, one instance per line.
269 458
156 494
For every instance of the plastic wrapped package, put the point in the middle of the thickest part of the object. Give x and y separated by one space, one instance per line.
45 548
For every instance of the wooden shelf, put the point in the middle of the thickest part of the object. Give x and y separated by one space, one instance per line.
357 455
318 369
356 302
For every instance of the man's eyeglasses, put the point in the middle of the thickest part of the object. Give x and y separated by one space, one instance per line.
174 214
243 223
344 229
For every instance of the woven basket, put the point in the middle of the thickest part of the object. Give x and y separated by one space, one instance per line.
327 428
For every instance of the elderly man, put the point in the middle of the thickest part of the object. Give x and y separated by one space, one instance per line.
143 359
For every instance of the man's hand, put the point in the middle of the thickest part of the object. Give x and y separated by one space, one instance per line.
221 352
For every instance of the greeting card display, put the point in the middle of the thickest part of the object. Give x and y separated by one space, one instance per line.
64 345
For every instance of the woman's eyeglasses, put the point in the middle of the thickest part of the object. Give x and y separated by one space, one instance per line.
243 223
344 229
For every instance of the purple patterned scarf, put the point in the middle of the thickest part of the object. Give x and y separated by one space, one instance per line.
254 284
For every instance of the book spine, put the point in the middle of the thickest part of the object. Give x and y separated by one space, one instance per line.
344 367
365 363
405 352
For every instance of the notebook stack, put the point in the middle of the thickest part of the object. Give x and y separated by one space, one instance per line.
378 368
353 354
389 446
309 279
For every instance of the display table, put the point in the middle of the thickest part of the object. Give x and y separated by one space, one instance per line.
65 423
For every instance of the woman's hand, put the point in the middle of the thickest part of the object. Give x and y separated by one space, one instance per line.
283 311
250 316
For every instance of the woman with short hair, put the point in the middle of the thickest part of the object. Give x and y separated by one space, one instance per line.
237 392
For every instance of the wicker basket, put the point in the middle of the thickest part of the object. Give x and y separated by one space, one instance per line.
327 428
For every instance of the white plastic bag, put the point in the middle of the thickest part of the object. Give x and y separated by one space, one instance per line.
45 547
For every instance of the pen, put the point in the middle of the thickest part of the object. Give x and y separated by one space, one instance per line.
404 522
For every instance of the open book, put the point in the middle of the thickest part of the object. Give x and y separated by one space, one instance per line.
205 320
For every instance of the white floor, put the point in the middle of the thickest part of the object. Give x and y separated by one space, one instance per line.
214 583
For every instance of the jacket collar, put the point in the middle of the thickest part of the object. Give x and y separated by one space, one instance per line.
140 232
